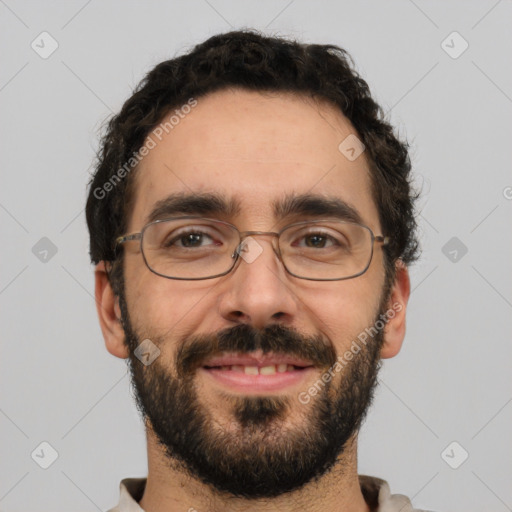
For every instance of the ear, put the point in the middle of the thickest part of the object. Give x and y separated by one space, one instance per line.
109 313
394 331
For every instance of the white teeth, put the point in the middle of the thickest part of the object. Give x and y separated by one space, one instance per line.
268 370
262 370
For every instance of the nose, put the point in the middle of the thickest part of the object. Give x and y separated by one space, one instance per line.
258 291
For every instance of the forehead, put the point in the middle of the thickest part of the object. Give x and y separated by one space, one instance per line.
255 149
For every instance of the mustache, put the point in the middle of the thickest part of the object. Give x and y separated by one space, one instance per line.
244 338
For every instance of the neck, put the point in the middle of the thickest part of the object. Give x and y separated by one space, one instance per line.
168 488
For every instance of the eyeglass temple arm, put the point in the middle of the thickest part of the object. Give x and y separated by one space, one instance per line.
128 238
382 239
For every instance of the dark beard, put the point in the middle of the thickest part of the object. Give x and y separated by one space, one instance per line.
258 457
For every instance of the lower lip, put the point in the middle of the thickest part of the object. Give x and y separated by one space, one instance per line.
254 383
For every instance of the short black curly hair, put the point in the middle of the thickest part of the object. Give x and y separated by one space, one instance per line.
249 60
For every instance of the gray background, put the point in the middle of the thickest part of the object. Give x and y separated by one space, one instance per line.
451 382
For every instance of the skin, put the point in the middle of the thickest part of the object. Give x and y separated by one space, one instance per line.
256 148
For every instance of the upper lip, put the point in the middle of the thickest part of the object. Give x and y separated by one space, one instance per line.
256 359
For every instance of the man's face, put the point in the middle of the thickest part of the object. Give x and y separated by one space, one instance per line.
253 151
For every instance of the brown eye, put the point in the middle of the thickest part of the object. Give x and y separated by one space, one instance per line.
316 241
190 240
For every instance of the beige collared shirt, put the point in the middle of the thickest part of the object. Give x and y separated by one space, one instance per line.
376 492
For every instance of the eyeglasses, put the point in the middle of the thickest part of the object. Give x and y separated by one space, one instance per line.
194 248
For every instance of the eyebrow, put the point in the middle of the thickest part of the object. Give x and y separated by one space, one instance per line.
310 205
316 206
193 204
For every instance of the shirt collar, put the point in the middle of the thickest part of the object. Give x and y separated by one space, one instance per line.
376 493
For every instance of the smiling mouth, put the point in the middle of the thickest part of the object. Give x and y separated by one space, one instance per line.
257 373
258 370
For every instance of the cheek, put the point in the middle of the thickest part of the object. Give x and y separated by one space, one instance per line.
343 310
165 308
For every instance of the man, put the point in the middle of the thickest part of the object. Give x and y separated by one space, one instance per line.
251 221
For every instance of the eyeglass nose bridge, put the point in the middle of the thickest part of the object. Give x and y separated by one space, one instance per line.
245 234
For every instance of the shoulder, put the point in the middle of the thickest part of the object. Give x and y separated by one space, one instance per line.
130 493
377 495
